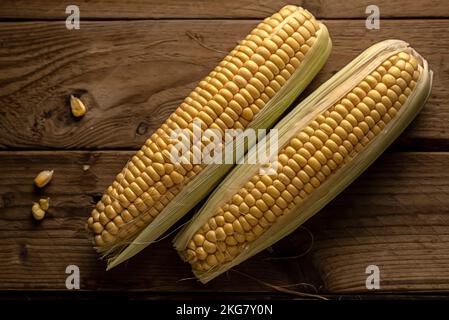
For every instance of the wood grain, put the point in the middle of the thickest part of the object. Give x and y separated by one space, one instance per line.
394 216
156 9
133 74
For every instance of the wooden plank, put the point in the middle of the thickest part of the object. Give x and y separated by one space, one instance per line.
394 216
133 74
55 9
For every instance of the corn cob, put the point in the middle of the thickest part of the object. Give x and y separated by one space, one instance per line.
250 88
325 143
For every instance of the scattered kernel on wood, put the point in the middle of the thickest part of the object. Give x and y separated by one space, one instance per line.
38 213
43 178
77 106
86 167
44 203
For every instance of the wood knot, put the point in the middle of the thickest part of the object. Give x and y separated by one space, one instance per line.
142 128
23 253
7 200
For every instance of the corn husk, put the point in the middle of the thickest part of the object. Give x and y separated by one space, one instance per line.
324 97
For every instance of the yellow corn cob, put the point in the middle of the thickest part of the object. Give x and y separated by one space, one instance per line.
325 143
251 87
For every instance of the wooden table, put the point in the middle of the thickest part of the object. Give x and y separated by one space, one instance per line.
132 64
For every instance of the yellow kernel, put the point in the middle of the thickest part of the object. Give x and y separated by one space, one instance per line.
316 141
209 247
281 202
380 88
346 125
343 130
244 224
261 205
228 229
397 89
237 226
409 68
357 114
43 178
77 106
404 56
394 71
107 237
201 253
314 163
358 132
44 203
247 114
251 219
342 110
112 228
366 105
388 80
336 116
380 108
249 200
258 230
278 185
386 102
198 239
229 217
220 234
212 260
255 212
37 211
353 138
401 83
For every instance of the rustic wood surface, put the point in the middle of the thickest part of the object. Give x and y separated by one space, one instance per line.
132 69
394 216
133 74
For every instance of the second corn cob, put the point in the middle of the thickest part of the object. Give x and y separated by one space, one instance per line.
327 141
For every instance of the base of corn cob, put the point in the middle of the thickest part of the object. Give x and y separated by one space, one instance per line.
327 141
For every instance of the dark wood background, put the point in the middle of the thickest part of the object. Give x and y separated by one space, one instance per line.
132 63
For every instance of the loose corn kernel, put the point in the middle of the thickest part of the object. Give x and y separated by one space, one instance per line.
44 203
37 211
77 106
43 178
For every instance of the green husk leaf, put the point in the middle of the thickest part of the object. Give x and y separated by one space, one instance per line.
208 178
325 96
